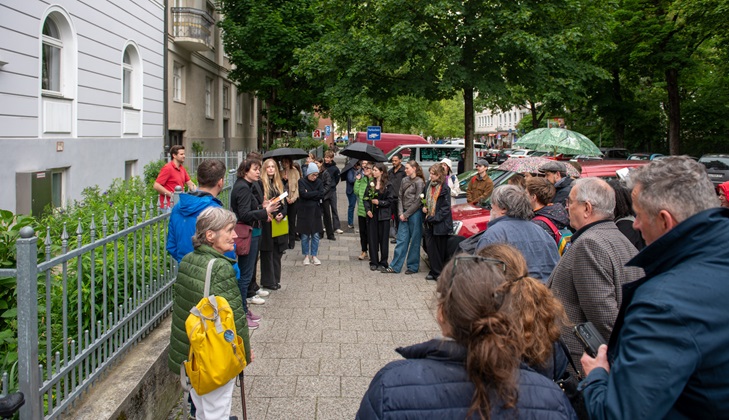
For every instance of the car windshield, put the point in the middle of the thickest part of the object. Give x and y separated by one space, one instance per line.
715 162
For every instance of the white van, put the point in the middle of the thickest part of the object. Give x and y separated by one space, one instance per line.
428 154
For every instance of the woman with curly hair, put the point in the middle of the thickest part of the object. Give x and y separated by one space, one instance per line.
475 370
537 314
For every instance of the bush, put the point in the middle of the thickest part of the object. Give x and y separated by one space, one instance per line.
151 171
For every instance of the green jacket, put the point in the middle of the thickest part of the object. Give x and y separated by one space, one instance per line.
187 292
360 186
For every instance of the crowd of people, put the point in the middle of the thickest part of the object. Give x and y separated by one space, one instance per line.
645 266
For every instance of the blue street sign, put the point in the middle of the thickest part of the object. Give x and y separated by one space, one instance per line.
374 132
327 130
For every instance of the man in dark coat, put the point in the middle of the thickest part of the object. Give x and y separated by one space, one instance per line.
330 200
395 176
667 356
556 173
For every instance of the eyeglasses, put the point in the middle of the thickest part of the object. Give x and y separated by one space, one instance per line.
568 201
367 168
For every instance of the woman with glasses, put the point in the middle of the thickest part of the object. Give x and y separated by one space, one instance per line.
360 185
378 197
311 192
475 370
438 220
410 231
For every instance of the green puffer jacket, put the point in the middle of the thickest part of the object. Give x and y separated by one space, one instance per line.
187 292
360 186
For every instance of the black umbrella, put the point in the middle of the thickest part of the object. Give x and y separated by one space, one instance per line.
286 152
364 151
348 166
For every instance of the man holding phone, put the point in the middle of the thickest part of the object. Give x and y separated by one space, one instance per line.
668 356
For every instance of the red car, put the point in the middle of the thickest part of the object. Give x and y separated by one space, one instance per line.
469 219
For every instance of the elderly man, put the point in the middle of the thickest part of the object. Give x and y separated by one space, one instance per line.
511 213
588 279
556 173
669 354
481 185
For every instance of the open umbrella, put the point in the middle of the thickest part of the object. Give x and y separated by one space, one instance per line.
558 140
286 152
364 151
531 164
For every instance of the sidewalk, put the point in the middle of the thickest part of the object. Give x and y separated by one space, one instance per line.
328 330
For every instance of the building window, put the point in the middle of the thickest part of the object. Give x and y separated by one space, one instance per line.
58 189
127 71
226 98
239 108
52 47
130 169
177 82
208 97
252 106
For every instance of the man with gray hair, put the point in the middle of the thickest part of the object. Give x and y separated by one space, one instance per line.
668 355
588 279
510 223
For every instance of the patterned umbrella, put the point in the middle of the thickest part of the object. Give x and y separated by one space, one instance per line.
559 140
531 164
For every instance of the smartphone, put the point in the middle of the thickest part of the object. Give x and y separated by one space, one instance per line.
590 337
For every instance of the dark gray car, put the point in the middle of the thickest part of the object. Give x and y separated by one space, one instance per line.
717 166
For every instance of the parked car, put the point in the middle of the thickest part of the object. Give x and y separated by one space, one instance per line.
717 167
469 219
616 153
520 153
644 156
503 155
584 158
428 154
389 141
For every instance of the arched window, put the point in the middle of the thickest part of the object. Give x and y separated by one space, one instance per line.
127 79
131 77
52 47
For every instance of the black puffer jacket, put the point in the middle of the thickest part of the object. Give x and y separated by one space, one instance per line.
432 383
382 210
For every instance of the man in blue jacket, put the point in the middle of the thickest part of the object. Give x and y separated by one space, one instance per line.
668 355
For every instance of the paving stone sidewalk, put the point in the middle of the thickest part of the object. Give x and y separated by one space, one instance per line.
328 330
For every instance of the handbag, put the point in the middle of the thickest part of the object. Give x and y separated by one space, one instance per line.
216 352
280 228
244 233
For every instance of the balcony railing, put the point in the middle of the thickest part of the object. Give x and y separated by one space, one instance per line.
192 28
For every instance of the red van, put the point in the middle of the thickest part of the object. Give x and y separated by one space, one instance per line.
389 141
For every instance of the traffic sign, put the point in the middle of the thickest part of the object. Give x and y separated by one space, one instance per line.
374 132
316 134
327 130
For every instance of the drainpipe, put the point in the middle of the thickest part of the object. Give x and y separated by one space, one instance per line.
165 70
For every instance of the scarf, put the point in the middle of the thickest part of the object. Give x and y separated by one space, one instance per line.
431 196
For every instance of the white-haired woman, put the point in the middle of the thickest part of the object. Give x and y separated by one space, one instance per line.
214 235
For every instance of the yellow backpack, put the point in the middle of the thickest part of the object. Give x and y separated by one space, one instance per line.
216 353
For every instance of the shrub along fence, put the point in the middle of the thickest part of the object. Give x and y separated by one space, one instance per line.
86 297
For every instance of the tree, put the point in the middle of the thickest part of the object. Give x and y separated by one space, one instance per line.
260 38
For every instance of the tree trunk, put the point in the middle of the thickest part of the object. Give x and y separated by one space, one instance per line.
674 112
619 123
535 119
468 127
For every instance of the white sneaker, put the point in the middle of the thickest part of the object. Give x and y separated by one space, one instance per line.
262 293
306 260
256 300
339 231
315 260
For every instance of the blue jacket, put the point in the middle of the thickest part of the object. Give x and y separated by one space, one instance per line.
432 383
669 350
181 228
535 244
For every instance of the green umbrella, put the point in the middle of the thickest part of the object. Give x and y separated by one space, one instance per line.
558 140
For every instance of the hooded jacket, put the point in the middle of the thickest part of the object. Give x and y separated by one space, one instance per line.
432 383
668 349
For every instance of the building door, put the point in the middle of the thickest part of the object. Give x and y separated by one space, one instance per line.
174 138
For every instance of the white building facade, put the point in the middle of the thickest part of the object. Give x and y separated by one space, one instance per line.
81 96
498 127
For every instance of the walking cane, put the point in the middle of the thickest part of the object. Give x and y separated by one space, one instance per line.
243 395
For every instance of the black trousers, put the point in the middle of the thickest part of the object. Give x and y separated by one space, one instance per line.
436 248
291 211
378 234
270 268
363 236
326 207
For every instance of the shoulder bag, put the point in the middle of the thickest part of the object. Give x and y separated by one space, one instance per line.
243 240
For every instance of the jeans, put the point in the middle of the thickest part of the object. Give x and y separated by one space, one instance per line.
247 264
305 238
409 235
352 203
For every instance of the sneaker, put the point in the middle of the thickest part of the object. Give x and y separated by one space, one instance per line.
256 300
350 226
339 231
363 256
306 260
252 317
252 325
263 292
315 260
